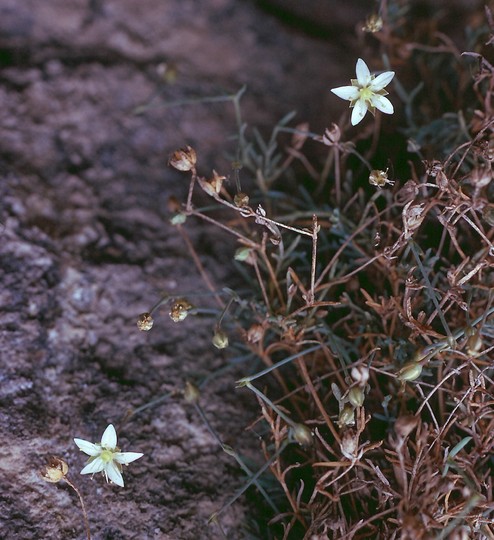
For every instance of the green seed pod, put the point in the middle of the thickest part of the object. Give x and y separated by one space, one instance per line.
474 344
220 340
347 416
302 434
356 396
409 372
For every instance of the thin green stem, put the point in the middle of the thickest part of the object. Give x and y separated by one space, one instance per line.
245 380
244 488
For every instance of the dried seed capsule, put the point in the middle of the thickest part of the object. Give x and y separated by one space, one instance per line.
349 444
373 24
179 310
379 178
191 393
241 199
255 333
55 470
145 322
184 159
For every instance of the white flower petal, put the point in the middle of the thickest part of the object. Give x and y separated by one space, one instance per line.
88 447
382 103
358 112
114 474
94 466
363 73
346 92
126 457
381 81
109 439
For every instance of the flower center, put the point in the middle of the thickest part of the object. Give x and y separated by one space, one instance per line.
106 455
366 93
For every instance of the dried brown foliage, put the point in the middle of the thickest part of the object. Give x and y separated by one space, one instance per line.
371 308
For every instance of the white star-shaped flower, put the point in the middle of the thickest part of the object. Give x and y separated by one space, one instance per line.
106 456
366 93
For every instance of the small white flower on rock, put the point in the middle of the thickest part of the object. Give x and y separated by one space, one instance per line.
106 456
366 93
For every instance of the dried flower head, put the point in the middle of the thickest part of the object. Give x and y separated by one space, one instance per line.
241 199
255 333
373 24
379 178
184 159
55 470
366 93
145 322
349 444
413 215
179 310
212 186
106 456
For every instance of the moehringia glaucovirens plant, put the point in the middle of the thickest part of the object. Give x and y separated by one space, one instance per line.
366 93
106 456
